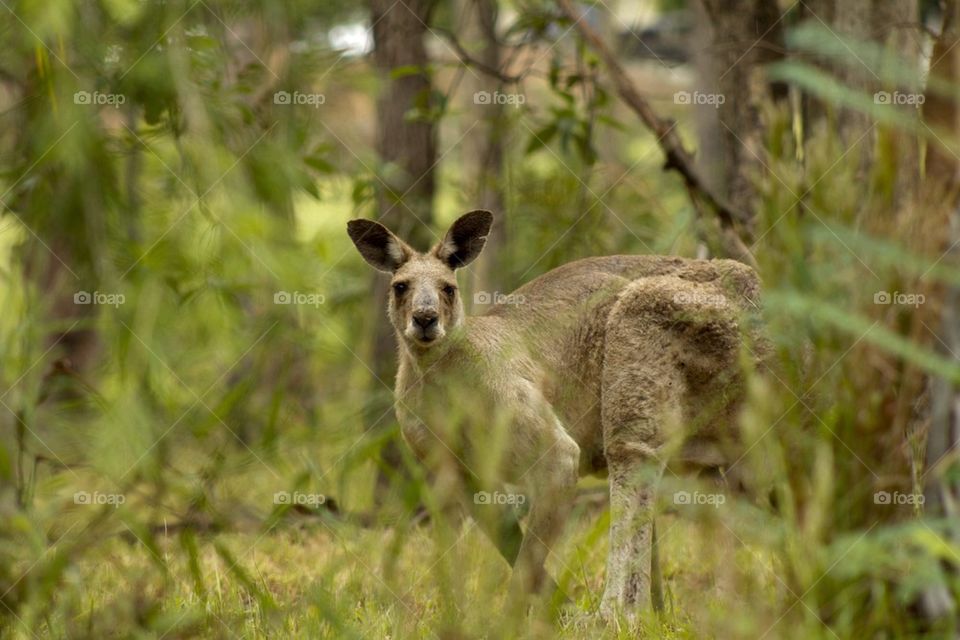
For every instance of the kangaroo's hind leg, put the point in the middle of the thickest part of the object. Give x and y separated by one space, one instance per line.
643 390
668 342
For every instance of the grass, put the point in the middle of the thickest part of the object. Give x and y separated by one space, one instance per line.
309 576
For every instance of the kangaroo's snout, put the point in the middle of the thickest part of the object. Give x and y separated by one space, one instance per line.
425 319
425 325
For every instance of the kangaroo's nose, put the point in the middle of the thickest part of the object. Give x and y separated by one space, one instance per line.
425 319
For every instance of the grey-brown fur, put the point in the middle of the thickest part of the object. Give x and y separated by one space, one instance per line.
616 365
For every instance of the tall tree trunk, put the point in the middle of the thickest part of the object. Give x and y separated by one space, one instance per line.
484 146
407 149
852 20
743 36
941 488
894 26
943 176
813 110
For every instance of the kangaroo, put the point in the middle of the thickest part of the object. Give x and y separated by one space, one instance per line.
614 366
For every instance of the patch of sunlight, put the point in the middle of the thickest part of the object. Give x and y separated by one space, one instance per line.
12 233
327 215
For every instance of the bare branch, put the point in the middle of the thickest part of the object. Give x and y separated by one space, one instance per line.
470 61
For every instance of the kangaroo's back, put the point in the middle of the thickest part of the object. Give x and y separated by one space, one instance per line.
562 314
571 284
560 319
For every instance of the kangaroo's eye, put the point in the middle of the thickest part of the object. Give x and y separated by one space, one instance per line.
449 290
399 287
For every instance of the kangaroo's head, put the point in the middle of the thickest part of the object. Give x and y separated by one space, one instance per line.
424 298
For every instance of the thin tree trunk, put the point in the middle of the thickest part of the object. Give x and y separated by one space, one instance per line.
743 36
942 489
407 150
813 110
896 28
484 145
852 20
892 25
943 176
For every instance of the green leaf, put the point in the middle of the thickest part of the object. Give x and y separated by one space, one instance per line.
408 70
188 540
541 138
585 148
319 163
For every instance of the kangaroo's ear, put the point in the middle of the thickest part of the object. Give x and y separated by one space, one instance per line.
465 239
378 246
